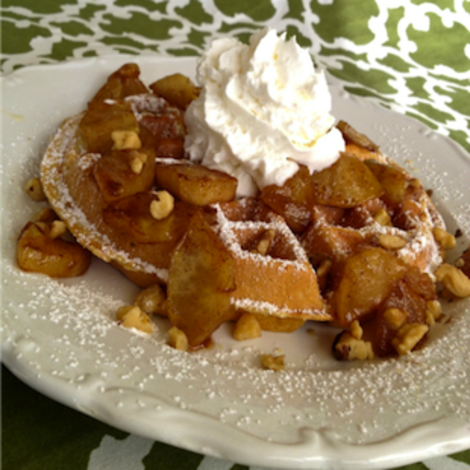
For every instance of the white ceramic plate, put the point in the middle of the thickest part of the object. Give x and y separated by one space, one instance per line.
58 336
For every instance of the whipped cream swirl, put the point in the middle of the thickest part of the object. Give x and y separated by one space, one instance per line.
263 111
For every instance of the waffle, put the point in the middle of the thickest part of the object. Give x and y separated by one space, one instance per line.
337 234
290 248
273 275
69 184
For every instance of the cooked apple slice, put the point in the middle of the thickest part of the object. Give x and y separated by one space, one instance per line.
132 216
196 184
200 282
38 252
393 181
101 120
351 135
122 173
294 200
366 281
177 89
347 183
123 82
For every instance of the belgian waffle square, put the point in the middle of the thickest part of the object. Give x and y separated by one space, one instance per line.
277 281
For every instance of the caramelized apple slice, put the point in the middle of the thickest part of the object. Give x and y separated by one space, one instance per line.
392 180
366 281
294 200
167 131
132 216
124 82
38 252
101 120
177 89
352 136
347 183
117 176
200 281
171 148
196 184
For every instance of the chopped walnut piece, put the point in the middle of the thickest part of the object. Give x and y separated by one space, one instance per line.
356 330
247 327
133 317
34 189
408 336
445 239
395 318
347 348
324 268
58 228
125 140
434 308
430 319
137 161
266 242
271 362
391 242
453 279
162 208
178 339
383 218
152 300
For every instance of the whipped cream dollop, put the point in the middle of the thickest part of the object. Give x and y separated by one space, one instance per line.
263 110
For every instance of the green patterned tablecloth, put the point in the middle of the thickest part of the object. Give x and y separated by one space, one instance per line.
410 55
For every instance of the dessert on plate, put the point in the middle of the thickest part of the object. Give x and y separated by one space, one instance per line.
243 200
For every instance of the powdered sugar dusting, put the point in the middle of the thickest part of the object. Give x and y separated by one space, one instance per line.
60 336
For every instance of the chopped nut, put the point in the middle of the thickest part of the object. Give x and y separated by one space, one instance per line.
34 190
247 327
137 161
125 140
383 218
434 308
395 318
408 336
324 268
391 242
178 339
445 239
162 207
266 241
152 300
356 330
58 228
453 279
430 319
271 362
133 317
347 348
